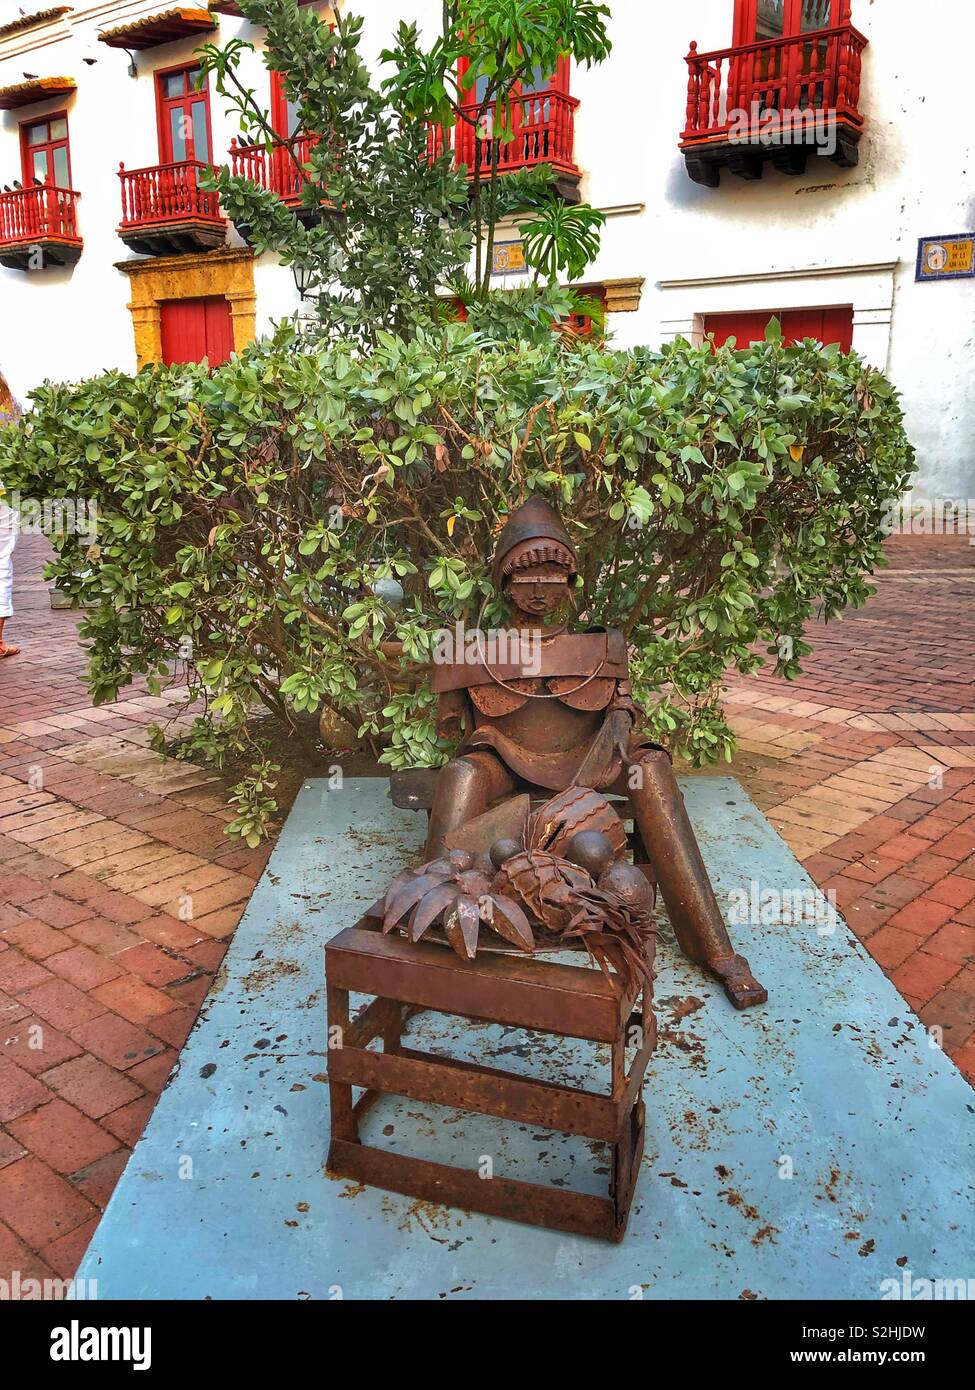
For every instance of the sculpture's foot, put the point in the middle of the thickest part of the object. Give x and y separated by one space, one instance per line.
739 983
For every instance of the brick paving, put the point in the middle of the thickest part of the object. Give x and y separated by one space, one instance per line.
866 766
118 892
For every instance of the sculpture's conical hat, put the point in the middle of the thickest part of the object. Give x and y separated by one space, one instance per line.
534 534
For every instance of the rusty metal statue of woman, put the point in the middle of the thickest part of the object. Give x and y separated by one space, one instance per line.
556 711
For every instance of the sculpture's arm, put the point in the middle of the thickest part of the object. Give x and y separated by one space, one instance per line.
623 701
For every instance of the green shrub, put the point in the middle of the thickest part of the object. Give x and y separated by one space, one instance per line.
718 501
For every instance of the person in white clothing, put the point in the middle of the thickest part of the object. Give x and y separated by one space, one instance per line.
9 412
8 539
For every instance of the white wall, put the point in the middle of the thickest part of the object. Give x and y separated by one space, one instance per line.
832 236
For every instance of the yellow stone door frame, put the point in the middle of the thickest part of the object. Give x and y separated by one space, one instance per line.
226 274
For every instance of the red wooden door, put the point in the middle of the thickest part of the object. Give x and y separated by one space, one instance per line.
183 116
757 20
196 328
827 325
540 120
44 151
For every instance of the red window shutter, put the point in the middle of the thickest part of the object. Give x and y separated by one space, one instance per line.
744 328
284 114
828 325
196 328
838 327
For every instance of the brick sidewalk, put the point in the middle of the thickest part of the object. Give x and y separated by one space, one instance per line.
866 766
100 977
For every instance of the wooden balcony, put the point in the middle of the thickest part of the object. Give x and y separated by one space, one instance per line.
544 133
38 227
165 211
777 101
279 170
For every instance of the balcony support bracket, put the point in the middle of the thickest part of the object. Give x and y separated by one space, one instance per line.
745 164
791 160
39 254
704 162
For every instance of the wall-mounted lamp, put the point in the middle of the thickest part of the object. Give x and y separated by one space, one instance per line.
304 275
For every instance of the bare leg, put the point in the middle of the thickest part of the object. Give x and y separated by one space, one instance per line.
5 648
465 788
672 847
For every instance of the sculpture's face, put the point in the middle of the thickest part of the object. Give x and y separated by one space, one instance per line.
538 590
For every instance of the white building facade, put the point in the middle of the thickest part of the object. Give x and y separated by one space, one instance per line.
808 158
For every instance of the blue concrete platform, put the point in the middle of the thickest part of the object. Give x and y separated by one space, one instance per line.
815 1147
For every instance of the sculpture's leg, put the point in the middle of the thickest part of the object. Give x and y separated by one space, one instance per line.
672 847
466 787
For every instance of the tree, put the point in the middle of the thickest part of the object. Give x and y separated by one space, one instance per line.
246 516
251 518
393 228
392 220
473 74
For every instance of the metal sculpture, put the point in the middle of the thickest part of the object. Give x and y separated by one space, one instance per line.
566 722
525 852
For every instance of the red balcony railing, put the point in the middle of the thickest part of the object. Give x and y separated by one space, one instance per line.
279 169
437 141
39 213
543 134
167 193
818 71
